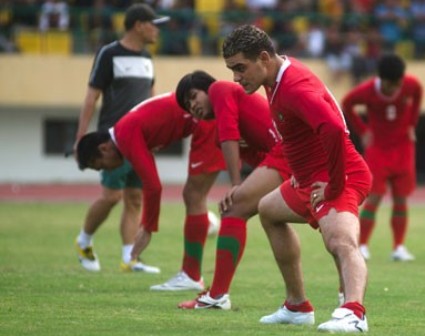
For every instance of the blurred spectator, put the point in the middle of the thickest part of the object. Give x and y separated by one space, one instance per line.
174 36
99 25
391 19
282 29
54 15
354 48
232 15
314 39
261 5
337 57
6 17
333 9
417 13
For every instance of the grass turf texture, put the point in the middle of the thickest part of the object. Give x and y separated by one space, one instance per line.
44 290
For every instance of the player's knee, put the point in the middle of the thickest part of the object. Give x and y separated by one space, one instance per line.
340 246
112 198
265 211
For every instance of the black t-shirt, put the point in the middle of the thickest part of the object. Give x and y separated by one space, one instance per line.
125 77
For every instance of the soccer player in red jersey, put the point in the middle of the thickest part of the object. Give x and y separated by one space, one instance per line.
150 126
391 101
245 132
330 180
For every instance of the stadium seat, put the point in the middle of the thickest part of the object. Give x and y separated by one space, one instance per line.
118 22
57 42
29 42
405 49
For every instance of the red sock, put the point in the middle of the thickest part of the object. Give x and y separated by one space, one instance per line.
195 234
304 307
399 224
230 246
367 222
356 307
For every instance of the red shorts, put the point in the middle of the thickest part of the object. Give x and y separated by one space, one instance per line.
275 159
205 156
298 199
395 166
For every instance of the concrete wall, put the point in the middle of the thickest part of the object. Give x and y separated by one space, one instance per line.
35 87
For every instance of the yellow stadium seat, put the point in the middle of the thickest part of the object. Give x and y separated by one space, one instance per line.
57 42
118 22
29 42
195 45
405 49
300 24
209 5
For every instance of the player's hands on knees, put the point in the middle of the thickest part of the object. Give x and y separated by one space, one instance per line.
226 203
317 194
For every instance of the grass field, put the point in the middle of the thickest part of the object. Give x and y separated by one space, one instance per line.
44 291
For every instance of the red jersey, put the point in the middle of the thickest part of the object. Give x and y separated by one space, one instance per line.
316 141
244 118
388 118
151 125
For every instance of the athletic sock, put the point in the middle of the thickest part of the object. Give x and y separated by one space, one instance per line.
126 253
358 309
84 239
367 222
230 247
399 224
195 234
303 307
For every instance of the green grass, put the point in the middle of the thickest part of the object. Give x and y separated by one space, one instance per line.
44 291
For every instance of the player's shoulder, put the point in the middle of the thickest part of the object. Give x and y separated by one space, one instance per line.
412 80
108 49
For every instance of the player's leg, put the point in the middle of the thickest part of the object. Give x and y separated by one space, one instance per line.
340 232
97 213
367 222
232 236
378 164
402 185
196 225
130 218
285 244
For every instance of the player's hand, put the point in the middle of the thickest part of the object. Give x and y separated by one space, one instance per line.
367 138
317 193
226 203
74 150
411 133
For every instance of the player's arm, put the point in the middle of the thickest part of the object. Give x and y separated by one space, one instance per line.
329 125
231 155
349 103
145 167
416 102
87 111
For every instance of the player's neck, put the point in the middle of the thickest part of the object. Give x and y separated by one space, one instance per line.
275 65
131 42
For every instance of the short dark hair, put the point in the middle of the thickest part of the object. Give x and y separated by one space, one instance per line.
249 40
198 79
142 12
88 147
391 67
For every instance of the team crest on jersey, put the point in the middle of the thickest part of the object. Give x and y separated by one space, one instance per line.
280 116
